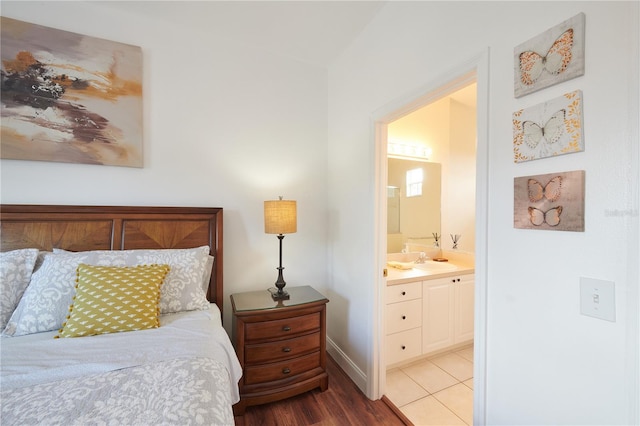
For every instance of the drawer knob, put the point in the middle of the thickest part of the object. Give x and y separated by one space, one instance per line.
403 347
286 371
286 328
286 349
404 293
404 317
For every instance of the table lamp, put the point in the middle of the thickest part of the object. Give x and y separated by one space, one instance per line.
280 217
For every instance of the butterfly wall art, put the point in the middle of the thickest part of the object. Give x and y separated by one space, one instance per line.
549 129
552 57
552 201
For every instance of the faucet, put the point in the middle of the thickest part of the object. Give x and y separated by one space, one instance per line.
422 258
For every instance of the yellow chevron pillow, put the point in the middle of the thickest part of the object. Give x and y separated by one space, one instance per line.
113 299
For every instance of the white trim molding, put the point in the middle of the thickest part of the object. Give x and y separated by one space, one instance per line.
475 69
347 365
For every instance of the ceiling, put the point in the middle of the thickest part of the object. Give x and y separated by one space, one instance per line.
314 32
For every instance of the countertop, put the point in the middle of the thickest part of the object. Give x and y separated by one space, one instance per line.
402 276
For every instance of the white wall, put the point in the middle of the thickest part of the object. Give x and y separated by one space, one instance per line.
225 125
546 364
458 213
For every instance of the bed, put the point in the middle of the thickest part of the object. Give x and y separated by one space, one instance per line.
149 350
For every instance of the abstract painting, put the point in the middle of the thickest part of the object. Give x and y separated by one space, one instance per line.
554 56
552 201
67 97
549 129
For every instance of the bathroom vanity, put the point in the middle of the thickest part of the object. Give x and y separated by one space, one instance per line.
429 308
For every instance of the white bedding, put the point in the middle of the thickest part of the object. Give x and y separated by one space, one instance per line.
184 344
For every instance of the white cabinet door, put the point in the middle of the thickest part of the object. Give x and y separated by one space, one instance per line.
437 307
464 295
427 316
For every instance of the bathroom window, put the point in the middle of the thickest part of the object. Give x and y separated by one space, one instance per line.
415 178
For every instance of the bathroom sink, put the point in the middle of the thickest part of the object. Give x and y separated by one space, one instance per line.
403 257
436 267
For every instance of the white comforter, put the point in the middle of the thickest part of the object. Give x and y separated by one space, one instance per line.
185 372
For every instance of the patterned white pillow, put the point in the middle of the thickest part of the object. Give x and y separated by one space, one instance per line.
206 277
45 306
16 268
182 289
45 303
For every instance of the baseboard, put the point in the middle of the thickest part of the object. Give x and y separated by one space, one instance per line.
348 366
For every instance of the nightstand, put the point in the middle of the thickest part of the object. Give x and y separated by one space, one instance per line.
281 345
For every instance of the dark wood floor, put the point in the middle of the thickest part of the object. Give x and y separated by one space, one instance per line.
342 404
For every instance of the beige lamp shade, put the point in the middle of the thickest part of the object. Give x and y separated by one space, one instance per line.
280 217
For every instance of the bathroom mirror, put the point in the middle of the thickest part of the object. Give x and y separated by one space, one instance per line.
413 203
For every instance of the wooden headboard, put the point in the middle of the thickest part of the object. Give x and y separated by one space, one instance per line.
81 228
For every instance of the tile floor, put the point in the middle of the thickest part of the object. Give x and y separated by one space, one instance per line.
435 391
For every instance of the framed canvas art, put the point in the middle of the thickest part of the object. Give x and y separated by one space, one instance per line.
552 57
68 97
553 201
549 129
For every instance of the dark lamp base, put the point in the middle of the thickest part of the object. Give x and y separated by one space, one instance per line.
278 295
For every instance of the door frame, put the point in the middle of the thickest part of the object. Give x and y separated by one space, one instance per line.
475 69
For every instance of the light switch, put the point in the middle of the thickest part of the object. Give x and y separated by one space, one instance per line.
598 298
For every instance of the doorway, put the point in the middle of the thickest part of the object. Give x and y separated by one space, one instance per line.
430 380
476 71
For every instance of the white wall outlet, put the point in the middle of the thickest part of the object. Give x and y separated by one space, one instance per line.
598 298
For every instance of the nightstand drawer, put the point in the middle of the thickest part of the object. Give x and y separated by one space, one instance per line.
280 370
282 328
282 349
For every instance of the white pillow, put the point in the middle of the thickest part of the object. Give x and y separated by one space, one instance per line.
180 289
46 302
16 268
206 277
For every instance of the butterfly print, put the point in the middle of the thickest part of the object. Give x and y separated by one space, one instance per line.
551 217
556 60
551 131
551 191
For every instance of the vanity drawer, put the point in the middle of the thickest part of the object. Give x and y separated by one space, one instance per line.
254 374
404 345
282 328
282 349
403 316
403 292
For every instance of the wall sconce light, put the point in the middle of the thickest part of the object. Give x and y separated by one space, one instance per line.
411 151
280 217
